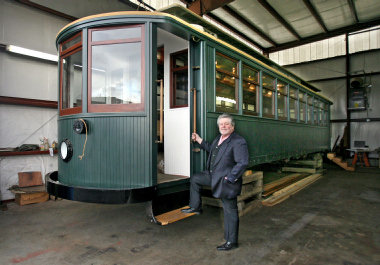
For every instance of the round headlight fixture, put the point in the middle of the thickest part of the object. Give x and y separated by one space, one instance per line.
80 126
66 150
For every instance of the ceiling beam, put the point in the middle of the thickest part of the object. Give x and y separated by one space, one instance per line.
248 24
138 7
279 18
46 9
353 10
201 7
234 30
315 14
323 36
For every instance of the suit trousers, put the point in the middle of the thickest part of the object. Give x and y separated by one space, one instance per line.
230 209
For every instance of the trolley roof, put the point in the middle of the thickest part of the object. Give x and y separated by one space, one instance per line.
188 18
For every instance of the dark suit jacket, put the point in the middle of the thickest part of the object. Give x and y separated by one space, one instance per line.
231 162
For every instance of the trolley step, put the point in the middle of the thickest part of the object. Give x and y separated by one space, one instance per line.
172 216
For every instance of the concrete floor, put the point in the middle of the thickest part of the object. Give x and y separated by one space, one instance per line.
334 221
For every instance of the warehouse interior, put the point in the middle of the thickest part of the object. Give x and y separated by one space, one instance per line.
334 46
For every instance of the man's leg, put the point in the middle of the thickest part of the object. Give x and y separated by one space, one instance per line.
196 182
231 220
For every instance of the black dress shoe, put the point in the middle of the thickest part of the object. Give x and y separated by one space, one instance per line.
227 246
192 210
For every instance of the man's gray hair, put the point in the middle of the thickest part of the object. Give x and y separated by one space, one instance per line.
228 116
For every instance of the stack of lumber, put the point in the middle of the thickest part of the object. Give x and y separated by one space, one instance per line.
250 196
30 189
339 162
279 193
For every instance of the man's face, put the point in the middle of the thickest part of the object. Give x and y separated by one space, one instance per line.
225 126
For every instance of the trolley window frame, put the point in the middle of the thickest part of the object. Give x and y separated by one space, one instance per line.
235 76
132 107
173 71
63 53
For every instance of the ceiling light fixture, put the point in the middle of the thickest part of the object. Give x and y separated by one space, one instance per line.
31 53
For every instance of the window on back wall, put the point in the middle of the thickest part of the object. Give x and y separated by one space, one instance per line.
179 79
268 95
302 102
293 103
227 80
71 75
282 100
251 86
116 69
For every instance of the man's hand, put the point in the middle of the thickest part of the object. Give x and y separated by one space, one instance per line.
197 138
230 180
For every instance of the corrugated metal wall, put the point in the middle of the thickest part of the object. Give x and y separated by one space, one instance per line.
364 63
328 48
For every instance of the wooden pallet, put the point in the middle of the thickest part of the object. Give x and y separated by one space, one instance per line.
29 195
250 196
29 198
314 165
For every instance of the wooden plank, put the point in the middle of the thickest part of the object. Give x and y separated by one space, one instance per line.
299 169
272 190
298 183
28 179
249 187
255 191
280 181
285 193
311 163
243 206
33 189
250 206
330 156
252 177
173 216
29 198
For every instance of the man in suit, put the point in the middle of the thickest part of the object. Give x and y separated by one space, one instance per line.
226 163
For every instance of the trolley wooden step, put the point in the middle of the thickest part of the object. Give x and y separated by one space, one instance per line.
173 216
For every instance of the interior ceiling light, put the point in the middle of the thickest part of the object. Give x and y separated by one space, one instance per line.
32 53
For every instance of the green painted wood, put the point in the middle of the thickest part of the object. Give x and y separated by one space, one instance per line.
270 140
116 154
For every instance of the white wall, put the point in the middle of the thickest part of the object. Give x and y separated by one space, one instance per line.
25 77
176 121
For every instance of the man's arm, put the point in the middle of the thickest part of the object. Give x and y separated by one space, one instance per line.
204 144
241 158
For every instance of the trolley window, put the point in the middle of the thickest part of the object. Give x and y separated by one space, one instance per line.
268 95
251 87
326 114
71 75
322 113
310 109
179 79
282 100
302 102
116 69
227 80
316 111
293 103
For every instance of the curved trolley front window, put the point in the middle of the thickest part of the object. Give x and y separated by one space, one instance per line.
116 69
71 75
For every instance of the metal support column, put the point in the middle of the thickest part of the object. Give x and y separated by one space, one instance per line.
348 91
